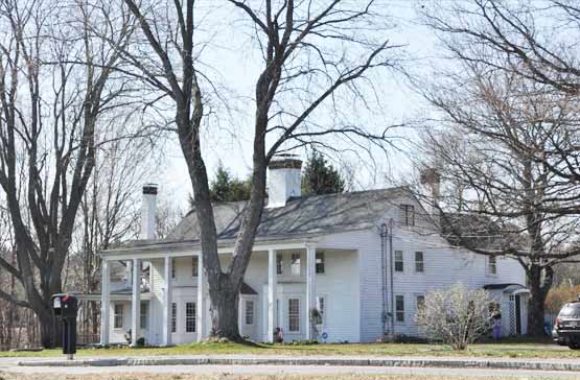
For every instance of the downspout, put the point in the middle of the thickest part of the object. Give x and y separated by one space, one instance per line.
391 223
384 235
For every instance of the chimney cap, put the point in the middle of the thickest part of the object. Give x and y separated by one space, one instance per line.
285 161
150 188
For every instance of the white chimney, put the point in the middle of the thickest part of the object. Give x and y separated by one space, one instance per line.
148 211
284 179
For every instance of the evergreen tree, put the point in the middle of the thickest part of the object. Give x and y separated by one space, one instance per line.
320 177
227 188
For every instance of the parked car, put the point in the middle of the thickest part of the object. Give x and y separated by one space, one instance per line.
566 330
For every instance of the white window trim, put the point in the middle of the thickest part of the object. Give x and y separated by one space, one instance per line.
325 297
404 321
417 295
115 304
144 312
402 261
246 312
194 317
174 318
422 261
488 266
299 331
324 256
195 272
293 265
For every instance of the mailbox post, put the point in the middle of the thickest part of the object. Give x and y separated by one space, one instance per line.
65 307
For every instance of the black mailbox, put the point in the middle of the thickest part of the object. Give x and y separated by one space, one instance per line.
65 307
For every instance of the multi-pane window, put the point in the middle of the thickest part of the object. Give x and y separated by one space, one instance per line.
173 317
400 308
407 215
492 265
399 261
190 317
143 314
249 312
293 314
173 268
420 302
194 266
118 316
279 262
419 264
295 264
319 262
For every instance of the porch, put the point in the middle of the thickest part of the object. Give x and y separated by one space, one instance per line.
280 291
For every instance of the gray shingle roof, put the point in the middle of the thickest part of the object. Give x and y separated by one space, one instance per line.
301 216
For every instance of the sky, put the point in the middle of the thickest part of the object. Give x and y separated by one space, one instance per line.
233 62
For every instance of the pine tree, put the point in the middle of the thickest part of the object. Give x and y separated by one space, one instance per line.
227 188
320 177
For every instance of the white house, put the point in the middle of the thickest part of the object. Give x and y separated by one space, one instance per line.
365 260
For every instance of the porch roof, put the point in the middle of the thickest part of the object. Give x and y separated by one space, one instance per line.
507 287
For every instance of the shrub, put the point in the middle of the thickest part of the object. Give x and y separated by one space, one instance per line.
457 316
558 297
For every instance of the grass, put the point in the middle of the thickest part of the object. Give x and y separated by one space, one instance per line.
507 349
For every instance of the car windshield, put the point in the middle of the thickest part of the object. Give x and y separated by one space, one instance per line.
571 310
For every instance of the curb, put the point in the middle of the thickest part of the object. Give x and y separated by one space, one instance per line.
361 362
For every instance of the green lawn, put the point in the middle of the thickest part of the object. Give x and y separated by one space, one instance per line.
509 349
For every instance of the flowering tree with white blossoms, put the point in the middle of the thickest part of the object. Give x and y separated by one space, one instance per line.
457 315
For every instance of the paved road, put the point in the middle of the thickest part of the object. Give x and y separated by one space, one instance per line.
280 370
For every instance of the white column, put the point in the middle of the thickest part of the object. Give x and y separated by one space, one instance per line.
200 307
136 302
167 300
105 302
310 287
272 282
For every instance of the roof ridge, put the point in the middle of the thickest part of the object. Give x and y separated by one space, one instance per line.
328 195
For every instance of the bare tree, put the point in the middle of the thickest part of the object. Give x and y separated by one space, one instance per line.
50 112
535 41
109 212
497 199
313 51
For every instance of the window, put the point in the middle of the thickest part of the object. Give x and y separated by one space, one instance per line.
407 215
194 266
173 317
249 312
492 265
143 315
420 302
173 268
279 263
398 261
419 265
190 317
295 264
293 314
118 316
400 308
321 307
319 262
